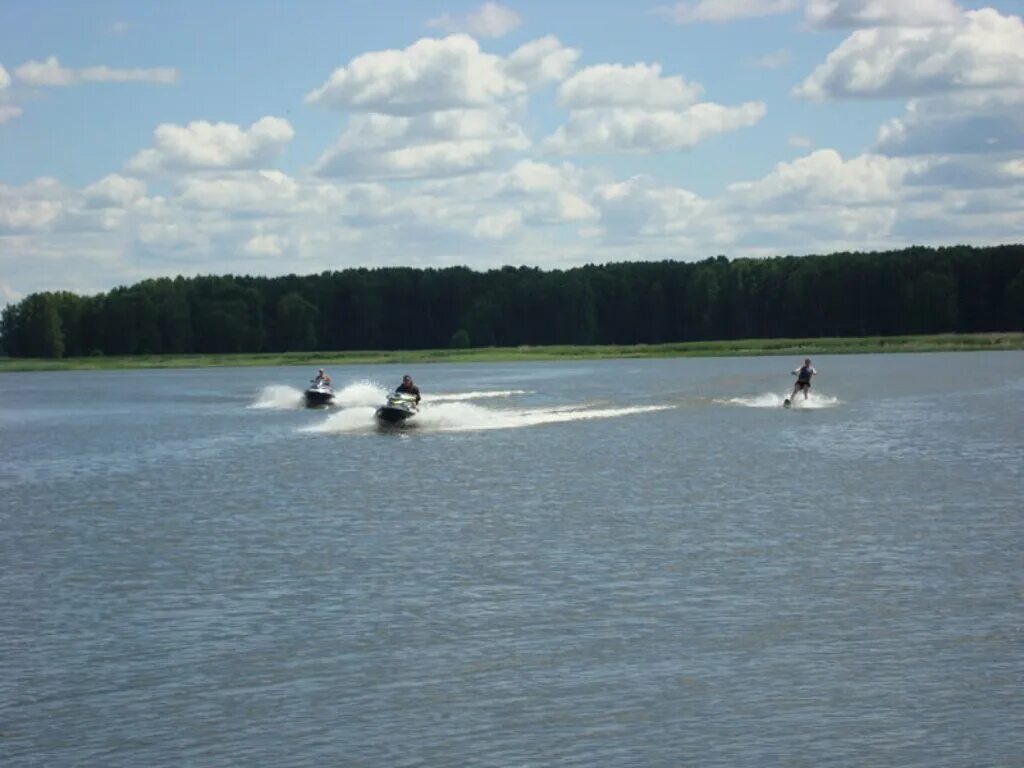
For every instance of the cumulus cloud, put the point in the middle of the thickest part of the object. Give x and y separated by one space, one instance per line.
825 177
204 145
113 191
639 86
489 20
638 130
243 192
881 13
264 245
630 109
725 10
985 122
51 73
984 50
429 75
541 61
33 206
7 111
433 144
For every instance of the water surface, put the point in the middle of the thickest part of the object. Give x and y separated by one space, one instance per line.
604 563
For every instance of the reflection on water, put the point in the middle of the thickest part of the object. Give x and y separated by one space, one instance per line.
605 563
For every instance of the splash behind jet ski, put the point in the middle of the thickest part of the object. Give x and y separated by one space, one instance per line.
399 408
319 395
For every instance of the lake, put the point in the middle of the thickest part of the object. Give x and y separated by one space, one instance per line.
601 563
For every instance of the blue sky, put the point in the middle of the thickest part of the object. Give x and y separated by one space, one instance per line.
139 140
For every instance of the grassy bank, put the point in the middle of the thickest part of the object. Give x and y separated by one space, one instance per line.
741 347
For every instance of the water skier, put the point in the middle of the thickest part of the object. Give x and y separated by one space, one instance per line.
803 380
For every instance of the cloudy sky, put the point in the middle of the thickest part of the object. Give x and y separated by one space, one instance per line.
144 139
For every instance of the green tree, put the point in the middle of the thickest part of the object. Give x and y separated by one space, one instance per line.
295 321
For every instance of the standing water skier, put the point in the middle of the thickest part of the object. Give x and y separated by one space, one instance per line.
803 380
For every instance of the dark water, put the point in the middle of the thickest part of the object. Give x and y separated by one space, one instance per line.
623 563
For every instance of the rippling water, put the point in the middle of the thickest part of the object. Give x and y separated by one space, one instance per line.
612 563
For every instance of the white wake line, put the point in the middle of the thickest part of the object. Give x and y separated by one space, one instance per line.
448 397
770 400
455 417
533 418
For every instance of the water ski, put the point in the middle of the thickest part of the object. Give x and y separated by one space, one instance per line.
786 403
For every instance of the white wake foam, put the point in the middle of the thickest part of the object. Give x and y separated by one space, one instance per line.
278 398
770 400
466 417
360 393
447 397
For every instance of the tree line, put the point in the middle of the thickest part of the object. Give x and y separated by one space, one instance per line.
916 290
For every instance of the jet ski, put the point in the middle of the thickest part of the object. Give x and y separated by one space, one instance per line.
399 408
319 395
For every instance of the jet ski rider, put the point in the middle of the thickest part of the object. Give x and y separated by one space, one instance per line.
322 378
409 387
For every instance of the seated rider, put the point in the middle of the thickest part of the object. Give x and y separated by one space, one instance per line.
803 378
409 387
322 379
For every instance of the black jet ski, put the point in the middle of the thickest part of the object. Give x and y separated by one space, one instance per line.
319 395
399 408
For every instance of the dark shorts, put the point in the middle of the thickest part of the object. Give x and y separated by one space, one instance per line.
803 385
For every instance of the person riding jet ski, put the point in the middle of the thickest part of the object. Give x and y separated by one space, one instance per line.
408 387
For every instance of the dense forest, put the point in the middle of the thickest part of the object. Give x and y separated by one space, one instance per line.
918 290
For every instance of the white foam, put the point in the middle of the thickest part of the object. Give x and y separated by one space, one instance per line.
358 419
447 397
278 398
466 417
770 400
360 394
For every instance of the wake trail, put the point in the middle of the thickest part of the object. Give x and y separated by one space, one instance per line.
771 400
466 417
277 398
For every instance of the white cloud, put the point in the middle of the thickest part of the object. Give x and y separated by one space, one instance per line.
615 85
51 73
114 191
776 60
881 13
489 20
206 145
725 10
632 109
33 206
825 177
434 144
800 141
985 50
541 61
429 75
498 226
242 192
264 245
7 111
984 122
637 130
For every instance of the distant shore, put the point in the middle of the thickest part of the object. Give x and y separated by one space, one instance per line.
737 348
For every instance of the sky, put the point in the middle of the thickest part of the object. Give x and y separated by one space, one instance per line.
141 140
